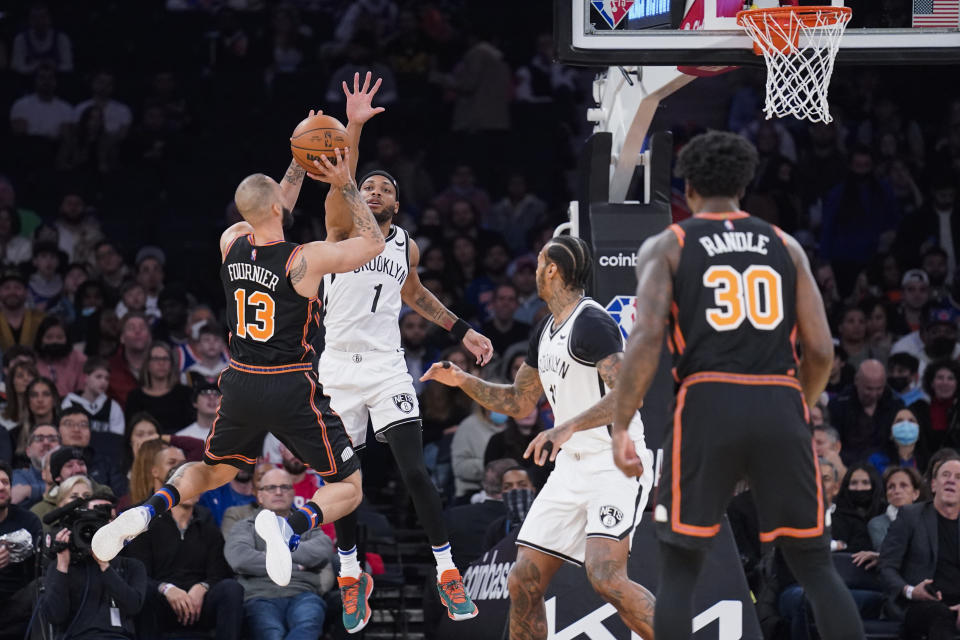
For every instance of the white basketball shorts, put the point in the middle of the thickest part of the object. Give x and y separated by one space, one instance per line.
586 498
369 384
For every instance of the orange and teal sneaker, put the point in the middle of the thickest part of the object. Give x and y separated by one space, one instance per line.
454 596
355 594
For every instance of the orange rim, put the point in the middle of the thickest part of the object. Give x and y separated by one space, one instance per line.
786 18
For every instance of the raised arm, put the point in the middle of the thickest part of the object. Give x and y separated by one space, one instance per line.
517 399
359 110
420 299
233 232
655 265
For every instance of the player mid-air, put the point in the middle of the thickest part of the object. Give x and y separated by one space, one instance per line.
737 292
365 374
270 287
588 510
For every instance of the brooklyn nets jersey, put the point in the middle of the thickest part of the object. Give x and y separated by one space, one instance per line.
362 307
566 358
734 297
269 321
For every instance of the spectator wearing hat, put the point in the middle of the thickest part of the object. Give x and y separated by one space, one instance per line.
209 355
936 339
65 462
45 284
18 324
523 274
206 400
864 412
130 357
903 376
150 262
915 294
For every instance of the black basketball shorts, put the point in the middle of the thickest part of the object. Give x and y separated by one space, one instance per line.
288 402
728 427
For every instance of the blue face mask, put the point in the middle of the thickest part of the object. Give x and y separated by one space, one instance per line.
906 432
498 418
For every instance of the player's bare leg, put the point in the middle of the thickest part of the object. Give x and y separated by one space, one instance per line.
189 480
606 564
527 583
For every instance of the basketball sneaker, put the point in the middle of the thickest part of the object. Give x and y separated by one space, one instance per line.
355 594
111 537
280 540
454 596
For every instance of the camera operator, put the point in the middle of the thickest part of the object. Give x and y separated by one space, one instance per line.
86 598
19 534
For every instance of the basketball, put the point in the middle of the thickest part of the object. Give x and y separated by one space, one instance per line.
317 136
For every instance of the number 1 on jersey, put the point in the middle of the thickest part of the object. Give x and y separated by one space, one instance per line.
262 329
756 294
376 298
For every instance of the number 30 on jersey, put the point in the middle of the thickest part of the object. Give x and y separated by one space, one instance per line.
755 295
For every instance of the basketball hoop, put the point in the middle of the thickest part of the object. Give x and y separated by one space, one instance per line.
799 45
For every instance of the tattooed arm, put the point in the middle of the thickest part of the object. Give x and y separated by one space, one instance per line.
291 183
517 399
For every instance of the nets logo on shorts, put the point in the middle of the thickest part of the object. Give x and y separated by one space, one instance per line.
404 402
610 516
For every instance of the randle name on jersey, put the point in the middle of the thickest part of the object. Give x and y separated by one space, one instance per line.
735 241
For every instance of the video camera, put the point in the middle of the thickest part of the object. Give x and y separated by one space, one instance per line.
82 521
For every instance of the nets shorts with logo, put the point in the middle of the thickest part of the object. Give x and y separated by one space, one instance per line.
585 498
291 405
369 384
729 427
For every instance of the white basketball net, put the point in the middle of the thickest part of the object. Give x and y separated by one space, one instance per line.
799 47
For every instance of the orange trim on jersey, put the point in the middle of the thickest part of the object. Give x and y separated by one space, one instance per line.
230 246
675 522
679 232
790 532
283 368
293 254
729 215
742 378
253 242
323 429
793 343
307 348
678 339
780 234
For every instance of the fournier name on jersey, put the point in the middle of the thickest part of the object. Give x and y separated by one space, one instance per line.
253 273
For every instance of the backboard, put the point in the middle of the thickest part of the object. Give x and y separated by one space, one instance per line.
705 32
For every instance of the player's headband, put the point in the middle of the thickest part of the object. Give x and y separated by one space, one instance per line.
393 181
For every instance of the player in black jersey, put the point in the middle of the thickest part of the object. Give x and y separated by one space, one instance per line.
737 292
270 287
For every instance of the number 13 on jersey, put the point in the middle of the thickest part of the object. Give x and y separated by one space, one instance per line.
262 328
755 295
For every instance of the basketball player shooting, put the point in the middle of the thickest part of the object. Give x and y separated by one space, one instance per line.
737 292
365 374
588 510
270 287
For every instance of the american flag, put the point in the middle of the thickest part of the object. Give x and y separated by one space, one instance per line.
936 13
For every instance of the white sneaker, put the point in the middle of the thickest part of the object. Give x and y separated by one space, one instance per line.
276 533
110 538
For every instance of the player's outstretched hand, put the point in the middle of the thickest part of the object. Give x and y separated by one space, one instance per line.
359 109
625 454
547 444
445 372
337 175
479 345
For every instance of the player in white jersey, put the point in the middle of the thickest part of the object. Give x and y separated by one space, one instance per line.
588 510
364 372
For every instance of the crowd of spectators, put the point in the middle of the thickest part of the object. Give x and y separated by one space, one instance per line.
131 123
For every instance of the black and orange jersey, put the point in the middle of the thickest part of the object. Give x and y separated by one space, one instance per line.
269 322
734 297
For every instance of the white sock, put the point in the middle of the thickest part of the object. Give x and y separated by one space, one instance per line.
444 557
349 567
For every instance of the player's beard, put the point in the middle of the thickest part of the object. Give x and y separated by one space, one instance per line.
287 220
384 216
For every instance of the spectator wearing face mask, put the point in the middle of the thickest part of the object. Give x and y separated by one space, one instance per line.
903 376
517 492
860 499
905 448
936 338
57 359
468 447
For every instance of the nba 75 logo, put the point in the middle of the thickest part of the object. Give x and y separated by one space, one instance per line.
404 402
610 516
612 11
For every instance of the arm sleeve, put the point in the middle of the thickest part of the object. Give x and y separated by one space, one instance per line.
892 552
240 552
594 336
533 350
129 590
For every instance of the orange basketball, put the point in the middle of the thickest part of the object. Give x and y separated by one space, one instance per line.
315 137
